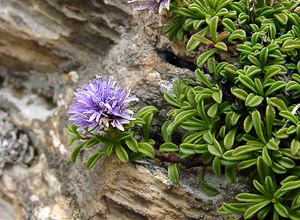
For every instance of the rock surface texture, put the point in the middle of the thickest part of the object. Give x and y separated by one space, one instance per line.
48 48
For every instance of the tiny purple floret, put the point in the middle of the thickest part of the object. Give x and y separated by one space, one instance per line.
100 104
151 4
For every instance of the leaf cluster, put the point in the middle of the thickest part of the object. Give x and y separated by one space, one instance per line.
241 117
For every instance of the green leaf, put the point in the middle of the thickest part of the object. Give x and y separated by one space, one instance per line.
286 162
228 24
144 111
213 110
270 117
245 149
248 82
277 103
208 137
201 110
216 166
275 87
213 26
258 125
76 151
201 60
247 163
250 197
262 214
289 116
171 100
168 147
93 159
164 131
291 44
232 208
184 115
258 84
173 173
253 100
266 157
146 149
217 96
121 153
229 139
244 49
132 144
208 189
200 75
221 46
202 39
215 148
230 173
248 124
282 211
237 35
273 144
254 60
239 93
290 185
295 146
263 56
250 212
147 126
211 65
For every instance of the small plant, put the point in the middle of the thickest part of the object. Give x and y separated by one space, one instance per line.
102 117
240 115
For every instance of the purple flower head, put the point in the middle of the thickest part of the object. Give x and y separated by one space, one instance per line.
100 104
151 4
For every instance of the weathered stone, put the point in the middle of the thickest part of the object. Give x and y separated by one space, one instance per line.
47 48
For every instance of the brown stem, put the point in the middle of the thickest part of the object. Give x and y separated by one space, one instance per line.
171 158
176 159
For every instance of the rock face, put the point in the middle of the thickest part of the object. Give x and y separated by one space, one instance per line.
49 47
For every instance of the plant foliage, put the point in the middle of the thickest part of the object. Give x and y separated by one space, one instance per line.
235 116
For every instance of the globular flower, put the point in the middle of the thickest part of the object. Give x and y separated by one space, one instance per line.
151 4
100 104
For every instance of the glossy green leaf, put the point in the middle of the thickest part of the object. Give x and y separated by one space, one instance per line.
146 149
229 139
213 110
132 144
173 173
76 151
200 75
258 126
171 100
216 166
253 100
230 173
248 124
221 46
201 60
121 153
168 147
213 26
250 212
93 159
239 93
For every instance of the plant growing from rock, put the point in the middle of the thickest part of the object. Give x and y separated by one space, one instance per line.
234 116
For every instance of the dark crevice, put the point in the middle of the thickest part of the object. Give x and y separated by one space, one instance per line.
177 61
